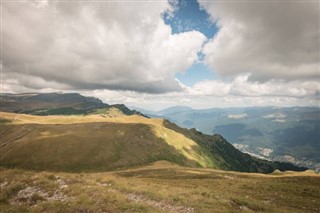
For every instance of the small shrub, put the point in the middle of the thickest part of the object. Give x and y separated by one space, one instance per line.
36 198
51 177
9 192
14 189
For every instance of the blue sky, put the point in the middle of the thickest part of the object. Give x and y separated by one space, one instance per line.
197 72
187 17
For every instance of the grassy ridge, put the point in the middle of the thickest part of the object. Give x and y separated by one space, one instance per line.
84 147
93 142
109 140
159 187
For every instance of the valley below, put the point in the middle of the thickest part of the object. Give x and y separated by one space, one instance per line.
286 134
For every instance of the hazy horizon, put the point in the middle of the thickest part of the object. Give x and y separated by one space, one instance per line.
156 109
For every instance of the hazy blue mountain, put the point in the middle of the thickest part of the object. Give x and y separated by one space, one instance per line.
175 109
285 134
144 111
164 112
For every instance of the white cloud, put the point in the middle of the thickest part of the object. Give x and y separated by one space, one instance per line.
124 53
211 88
271 40
96 45
243 87
207 94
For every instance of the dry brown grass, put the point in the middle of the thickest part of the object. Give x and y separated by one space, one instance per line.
159 187
73 119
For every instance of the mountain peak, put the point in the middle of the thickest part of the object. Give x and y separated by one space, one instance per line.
56 104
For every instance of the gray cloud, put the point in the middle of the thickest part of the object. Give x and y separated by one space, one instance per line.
92 45
271 40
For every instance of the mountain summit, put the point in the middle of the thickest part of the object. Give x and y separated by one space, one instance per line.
56 104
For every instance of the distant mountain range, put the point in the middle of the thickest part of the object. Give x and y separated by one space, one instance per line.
289 134
55 104
107 137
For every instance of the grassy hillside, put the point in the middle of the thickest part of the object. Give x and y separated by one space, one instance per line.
109 140
159 187
93 142
47 103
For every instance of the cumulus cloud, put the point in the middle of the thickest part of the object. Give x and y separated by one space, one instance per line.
161 101
239 92
241 86
271 40
94 45
211 88
122 52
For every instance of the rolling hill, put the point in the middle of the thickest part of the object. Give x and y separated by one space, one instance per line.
56 104
110 140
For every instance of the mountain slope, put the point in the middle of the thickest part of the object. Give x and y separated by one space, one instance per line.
47 101
101 142
284 134
226 156
56 104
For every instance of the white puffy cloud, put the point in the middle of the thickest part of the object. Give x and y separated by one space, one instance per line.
243 87
211 88
95 45
271 40
239 92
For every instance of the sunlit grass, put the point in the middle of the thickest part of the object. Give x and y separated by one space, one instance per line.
112 117
143 189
